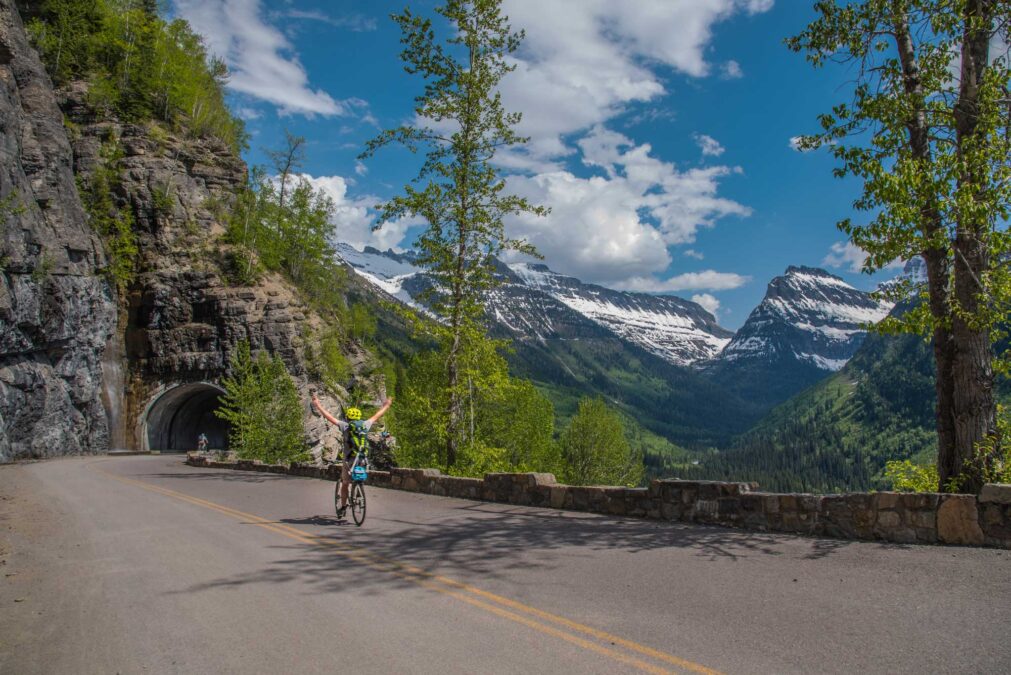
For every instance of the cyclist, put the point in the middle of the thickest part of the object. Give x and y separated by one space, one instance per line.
354 416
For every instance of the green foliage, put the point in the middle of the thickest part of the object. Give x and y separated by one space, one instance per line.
927 134
43 267
595 449
905 476
114 225
264 409
361 322
508 424
326 360
139 65
162 200
463 198
292 237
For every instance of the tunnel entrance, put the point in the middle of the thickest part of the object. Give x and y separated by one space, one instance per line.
177 417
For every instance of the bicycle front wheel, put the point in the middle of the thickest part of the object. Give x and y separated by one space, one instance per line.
358 503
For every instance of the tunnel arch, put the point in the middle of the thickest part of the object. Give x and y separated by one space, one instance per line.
179 414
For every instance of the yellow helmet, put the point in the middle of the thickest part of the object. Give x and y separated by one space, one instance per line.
353 414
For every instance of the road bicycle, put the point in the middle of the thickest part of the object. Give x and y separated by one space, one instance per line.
358 473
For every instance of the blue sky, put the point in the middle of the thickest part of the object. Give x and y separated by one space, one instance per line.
660 132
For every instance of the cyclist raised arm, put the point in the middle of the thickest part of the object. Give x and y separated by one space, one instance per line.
354 416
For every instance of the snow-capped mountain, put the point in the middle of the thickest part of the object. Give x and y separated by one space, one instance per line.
809 316
535 303
809 324
387 270
677 330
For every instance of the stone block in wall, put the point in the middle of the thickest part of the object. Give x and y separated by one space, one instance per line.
849 516
887 500
379 478
958 521
638 502
463 488
995 520
557 495
996 493
587 498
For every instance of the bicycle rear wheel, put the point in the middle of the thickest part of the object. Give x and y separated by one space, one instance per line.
358 503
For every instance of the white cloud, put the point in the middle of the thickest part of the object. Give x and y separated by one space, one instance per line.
692 253
618 227
261 60
710 146
590 58
248 113
708 302
795 144
708 280
354 217
353 22
360 168
732 70
845 254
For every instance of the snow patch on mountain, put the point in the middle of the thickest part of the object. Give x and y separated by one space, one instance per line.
808 315
386 270
677 330
534 302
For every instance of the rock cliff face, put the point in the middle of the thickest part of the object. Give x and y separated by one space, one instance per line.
85 367
182 317
57 311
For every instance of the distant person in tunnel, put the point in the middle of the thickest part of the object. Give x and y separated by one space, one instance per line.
353 430
202 442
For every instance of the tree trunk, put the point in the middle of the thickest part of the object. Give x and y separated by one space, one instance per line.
935 255
974 405
944 383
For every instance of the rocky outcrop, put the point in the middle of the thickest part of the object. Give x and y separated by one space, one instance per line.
183 317
57 311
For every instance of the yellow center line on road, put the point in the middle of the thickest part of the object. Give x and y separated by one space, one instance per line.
452 588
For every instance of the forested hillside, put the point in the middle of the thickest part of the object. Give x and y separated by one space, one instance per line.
839 434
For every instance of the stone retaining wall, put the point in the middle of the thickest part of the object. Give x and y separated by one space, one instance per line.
907 518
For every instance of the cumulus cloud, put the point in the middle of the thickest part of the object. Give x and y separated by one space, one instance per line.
845 255
692 253
354 216
710 146
589 59
353 22
708 302
732 70
261 60
708 280
614 227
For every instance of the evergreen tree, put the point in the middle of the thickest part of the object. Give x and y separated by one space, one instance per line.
263 407
463 199
927 132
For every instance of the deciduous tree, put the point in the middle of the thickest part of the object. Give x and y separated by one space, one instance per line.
928 132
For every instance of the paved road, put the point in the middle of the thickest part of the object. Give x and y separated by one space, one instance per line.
142 564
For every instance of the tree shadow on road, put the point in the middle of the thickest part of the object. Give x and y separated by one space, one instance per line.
225 477
475 540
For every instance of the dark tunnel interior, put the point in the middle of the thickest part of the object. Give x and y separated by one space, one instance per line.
181 414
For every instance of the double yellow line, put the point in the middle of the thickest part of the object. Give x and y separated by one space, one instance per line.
539 620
